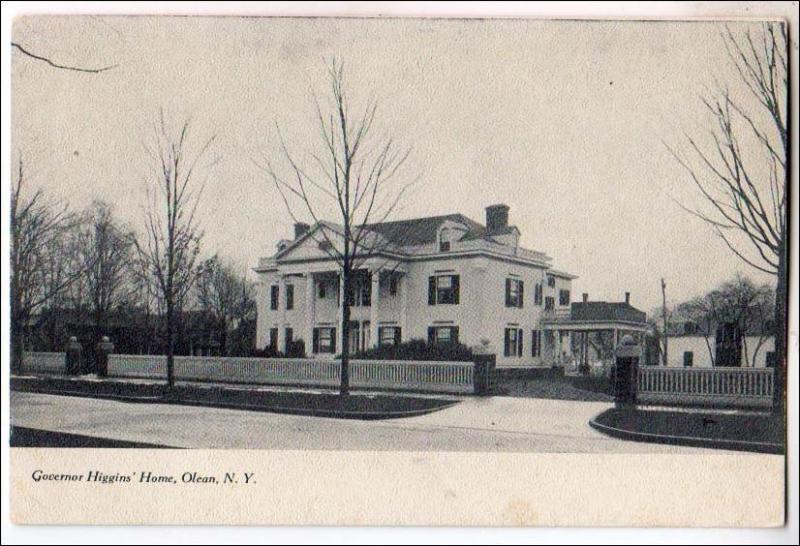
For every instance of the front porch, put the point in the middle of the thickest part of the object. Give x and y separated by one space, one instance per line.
377 295
591 341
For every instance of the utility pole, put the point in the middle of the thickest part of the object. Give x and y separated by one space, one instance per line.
664 318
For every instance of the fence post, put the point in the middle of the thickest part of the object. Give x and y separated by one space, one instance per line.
73 356
104 348
483 374
625 372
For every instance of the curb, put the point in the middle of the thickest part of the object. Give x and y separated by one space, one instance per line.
310 412
692 441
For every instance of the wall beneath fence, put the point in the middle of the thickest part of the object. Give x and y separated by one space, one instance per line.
451 377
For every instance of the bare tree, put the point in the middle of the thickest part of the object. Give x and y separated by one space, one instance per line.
743 177
38 229
105 251
172 242
223 295
356 175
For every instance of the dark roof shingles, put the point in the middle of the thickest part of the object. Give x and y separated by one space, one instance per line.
606 311
420 231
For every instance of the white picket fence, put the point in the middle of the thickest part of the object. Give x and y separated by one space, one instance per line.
454 377
752 387
41 362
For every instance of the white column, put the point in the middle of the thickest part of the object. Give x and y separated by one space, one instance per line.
310 304
281 313
402 285
373 308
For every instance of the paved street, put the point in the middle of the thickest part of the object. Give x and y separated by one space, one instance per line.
475 424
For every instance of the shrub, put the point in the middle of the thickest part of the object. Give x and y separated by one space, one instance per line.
417 349
296 349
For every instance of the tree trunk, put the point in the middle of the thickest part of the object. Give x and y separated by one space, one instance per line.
223 338
17 343
344 387
781 297
664 317
170 344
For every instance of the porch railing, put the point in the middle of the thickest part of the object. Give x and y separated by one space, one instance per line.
706 386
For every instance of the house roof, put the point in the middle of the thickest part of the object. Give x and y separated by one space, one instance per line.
420 231
606 311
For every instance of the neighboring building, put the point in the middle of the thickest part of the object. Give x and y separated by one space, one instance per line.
443 278
719 345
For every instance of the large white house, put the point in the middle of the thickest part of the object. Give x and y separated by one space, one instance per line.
441 279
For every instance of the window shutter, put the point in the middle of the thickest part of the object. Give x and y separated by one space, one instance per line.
315 345
333 340
533 342
289 334
397 336
454 334
431 335
519 342
506 341
455 289
380 334
431 290
508 292
521 294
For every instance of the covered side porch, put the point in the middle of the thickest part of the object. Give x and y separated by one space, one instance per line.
591 340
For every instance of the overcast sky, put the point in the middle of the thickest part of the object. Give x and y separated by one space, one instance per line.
563 121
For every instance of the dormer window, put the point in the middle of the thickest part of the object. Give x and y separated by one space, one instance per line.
444 240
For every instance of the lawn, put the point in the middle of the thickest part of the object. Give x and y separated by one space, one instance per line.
730 430
554 387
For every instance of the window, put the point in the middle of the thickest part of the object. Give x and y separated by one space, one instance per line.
443 289
393 286
389 335
549 303
359 293
273 339
273 297
688 359
537 294
536 343
770 362
514 293
563 297
442 334
289 296
689 328
444 240
512 345
321 290
551 281
324 340
288 334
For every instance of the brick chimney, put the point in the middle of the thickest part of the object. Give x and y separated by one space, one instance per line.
628 298
300 229
496 217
